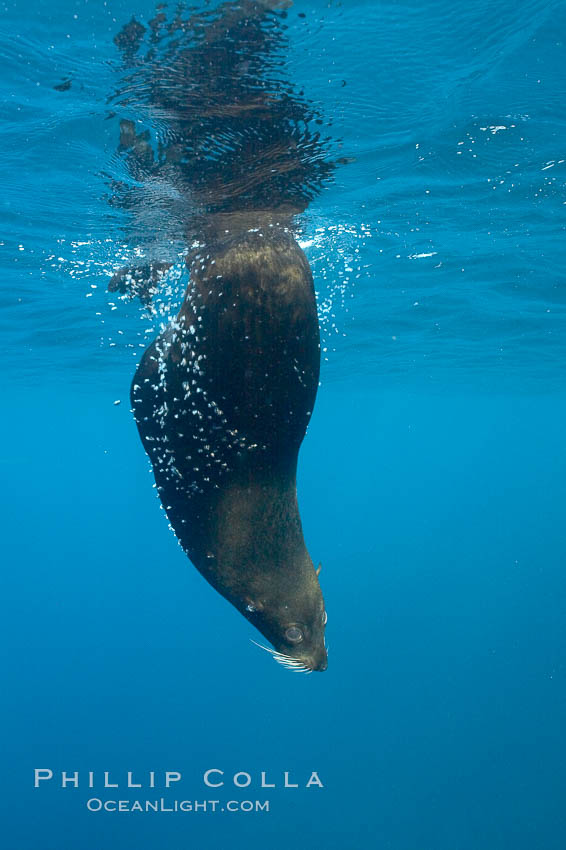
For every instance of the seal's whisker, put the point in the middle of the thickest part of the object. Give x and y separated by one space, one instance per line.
289 657
287 661
293 664
261 646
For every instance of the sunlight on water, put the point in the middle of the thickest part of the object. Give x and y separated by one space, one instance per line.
435 244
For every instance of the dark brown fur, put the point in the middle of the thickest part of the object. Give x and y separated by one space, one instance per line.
222 399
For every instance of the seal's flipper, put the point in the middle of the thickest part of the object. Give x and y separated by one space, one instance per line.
139 281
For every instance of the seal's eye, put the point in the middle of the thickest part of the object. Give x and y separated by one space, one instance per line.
293 634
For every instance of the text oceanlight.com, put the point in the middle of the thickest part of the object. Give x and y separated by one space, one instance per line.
189 806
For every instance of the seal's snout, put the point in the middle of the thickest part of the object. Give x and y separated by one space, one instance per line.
319 660
321 664
310 663
313 659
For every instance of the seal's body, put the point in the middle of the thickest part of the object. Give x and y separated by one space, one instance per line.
222 399
223 396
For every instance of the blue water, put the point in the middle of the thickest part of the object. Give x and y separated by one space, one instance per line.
432 481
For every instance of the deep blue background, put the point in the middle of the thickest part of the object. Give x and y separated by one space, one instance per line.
432 480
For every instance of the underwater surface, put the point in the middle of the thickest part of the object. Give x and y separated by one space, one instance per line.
432 481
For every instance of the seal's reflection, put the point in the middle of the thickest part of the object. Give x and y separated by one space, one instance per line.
223 396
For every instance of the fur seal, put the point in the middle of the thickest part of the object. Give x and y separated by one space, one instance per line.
222 399
223 396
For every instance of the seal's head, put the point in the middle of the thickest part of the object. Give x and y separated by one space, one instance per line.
294 625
